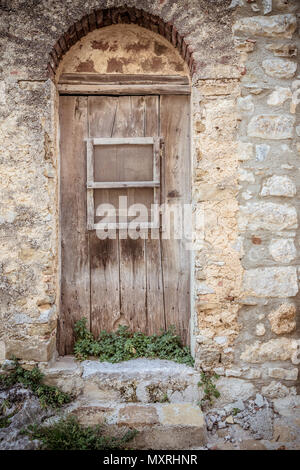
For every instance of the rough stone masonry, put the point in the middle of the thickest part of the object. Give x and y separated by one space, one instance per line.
243 60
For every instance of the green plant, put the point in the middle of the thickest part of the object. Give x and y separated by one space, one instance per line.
165 398
209 388
123 345
69 434
32 379
5 420
4 405
235 411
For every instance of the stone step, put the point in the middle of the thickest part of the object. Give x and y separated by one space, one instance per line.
165 426
134 381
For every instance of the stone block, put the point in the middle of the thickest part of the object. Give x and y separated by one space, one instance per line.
92 415
277 390
283 250
279 96
245 151
283 374
233 389
277 26
278 185
271 282
283 50
279 68
272 126
32 349
288 406
65 374
170 438
283 319
267 216
182 414
280 349
138 415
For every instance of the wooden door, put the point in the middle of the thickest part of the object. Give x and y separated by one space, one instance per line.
142 283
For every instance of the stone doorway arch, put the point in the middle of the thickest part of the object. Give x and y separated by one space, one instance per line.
123 15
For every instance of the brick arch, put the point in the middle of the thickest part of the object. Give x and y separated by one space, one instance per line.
122 15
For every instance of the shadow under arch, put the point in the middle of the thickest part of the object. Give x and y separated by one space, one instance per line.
122 15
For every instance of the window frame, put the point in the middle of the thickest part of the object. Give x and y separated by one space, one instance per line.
91 184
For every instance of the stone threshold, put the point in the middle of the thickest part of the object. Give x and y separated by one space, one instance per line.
138 380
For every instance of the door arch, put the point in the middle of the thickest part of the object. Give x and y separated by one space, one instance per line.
98 19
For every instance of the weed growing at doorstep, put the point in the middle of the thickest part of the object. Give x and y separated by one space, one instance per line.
66 433
209 388
124 344
32 379
69 434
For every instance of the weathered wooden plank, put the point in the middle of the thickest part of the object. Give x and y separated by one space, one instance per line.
75 270
123 184
124 141
90 177
118 79
91 89
175 127
112 195
90 208
155 296
104 254
156 167
105 294
129 122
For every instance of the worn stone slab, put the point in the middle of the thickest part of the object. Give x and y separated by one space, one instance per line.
279 68
283 319
182 415
138 380
159 426
136 367
92 415
137 415
281 349
272 126
279 185
267 216
283 250
272 282
277 26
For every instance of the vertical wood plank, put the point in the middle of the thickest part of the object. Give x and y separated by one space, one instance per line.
104 254
130 122
155 298
90 179
175 129
75 270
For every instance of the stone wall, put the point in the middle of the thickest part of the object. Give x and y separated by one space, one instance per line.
267 347
243 58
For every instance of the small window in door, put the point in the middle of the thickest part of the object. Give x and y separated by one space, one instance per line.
128 167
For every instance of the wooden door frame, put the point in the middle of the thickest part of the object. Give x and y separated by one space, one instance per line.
118 85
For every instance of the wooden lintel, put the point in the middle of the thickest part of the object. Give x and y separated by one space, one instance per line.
121 79
123 89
